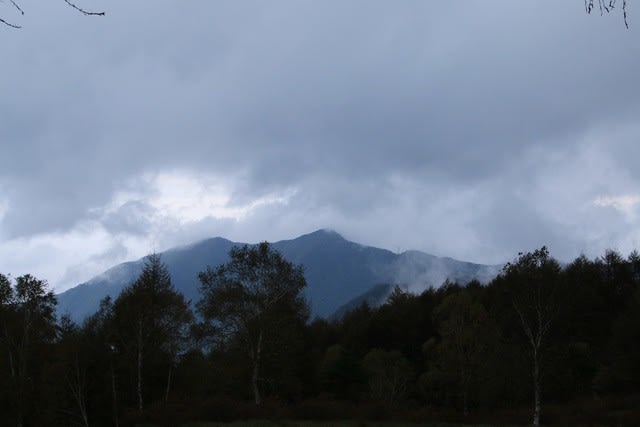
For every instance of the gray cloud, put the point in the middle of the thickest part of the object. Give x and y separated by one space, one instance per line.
471 130
133 217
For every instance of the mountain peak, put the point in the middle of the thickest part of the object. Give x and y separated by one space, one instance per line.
337 270
324 232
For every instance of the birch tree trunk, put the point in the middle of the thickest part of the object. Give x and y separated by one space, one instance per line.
536 391
78 386
114 396
535 285
166 393
256 369
140 402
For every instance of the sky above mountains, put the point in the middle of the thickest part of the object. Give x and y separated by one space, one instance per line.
466 129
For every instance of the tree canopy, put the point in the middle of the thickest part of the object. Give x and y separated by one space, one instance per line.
255 299
152 321
28 322
473 352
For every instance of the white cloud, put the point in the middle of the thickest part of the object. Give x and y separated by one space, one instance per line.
3 208
154 212
184 197
619 202
626 204
51 256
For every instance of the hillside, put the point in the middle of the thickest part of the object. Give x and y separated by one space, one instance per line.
337 271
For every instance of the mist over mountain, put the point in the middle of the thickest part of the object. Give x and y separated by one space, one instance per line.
338 272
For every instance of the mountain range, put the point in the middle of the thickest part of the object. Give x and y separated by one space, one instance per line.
340 274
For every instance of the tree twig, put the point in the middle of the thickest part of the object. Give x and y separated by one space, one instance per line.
17 7
83 11
607 6
68 2
9 24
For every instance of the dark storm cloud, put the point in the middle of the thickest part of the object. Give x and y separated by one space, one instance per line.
404 124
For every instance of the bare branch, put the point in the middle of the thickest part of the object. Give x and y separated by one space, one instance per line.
84 12
607 7
9 24
17 7
525 326
68 2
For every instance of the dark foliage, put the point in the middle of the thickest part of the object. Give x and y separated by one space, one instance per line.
455 353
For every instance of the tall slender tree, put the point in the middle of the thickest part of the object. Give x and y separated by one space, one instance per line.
534 284
27 313
152 320
73 355
256 299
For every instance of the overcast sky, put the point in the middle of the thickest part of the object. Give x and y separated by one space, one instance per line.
469 129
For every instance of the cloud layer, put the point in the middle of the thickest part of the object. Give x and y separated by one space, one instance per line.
471 130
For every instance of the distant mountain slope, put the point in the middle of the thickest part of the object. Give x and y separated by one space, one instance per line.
336 270
416 271
374 297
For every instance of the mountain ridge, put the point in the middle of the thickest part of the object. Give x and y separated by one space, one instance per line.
337 271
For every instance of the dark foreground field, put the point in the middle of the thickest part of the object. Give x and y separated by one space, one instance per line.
263 423
618 411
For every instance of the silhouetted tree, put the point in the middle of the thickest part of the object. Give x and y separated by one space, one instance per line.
390 375
341 373
466 338
27 313
626 346
255 299
103 345
73 356
533 280
152 320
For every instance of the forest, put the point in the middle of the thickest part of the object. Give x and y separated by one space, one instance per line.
543 343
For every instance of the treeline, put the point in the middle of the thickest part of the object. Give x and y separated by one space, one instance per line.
539 337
